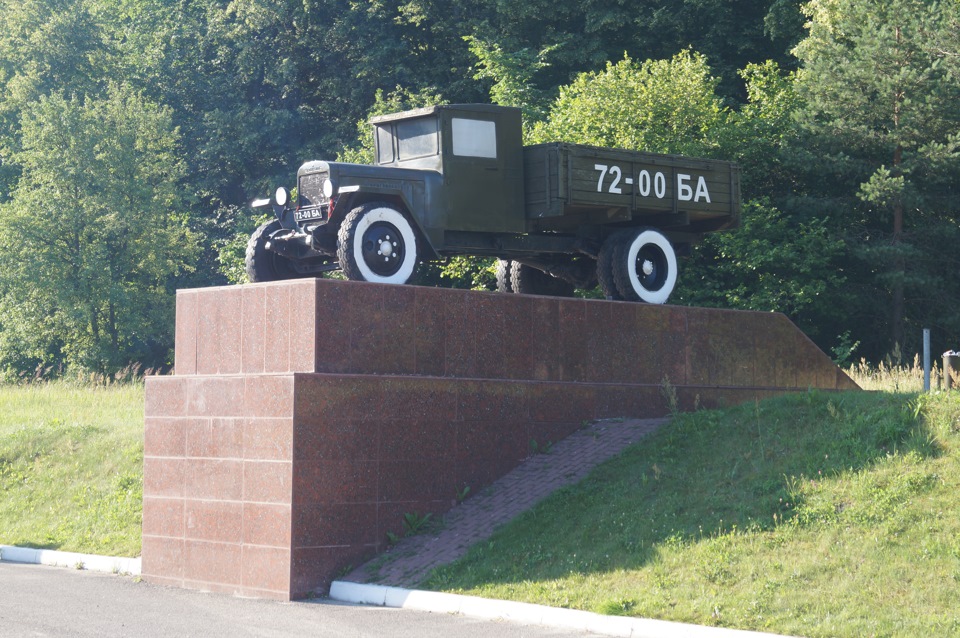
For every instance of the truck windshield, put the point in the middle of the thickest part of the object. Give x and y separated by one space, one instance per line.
417 138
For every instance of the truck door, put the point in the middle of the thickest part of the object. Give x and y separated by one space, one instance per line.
483 172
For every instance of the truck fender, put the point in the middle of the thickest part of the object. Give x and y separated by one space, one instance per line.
351 197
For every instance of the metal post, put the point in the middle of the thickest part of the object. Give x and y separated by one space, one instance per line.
926 359
946 370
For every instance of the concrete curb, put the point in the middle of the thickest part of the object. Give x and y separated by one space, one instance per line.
526 613
91 562
435 602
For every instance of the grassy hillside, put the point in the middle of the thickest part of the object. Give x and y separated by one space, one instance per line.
71 467
814 514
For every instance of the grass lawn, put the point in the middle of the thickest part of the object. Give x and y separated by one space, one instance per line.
71 467
814 514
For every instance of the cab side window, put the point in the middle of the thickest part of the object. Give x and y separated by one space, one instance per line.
385 144
474 138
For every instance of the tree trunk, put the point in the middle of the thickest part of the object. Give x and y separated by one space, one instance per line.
899 264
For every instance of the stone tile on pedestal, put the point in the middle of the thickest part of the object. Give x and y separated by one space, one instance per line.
337 439
405 440
265 572
485 450
415 481
492 400
267 438
216 521
335 481
572 346
460 336
266 524
335 524
163 477
163 517
492 324
213 479
165 436
398 351
267 482
253 336
213 566
430 332
162 559
544 335
185 352
313 568
215 437
276 354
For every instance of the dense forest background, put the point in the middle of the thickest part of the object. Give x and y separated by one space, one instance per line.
133 134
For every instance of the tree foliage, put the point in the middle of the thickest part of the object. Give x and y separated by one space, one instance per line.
93 236
883 114
662 106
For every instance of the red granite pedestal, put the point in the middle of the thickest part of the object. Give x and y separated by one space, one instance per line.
307 417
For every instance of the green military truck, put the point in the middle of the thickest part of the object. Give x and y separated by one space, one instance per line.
457 180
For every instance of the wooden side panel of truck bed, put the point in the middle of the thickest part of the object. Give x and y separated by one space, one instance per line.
567 185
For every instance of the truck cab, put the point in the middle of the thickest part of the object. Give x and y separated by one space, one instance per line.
478 152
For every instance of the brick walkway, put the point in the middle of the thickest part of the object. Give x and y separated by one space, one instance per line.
569 461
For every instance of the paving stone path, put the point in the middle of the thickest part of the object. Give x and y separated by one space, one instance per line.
569 461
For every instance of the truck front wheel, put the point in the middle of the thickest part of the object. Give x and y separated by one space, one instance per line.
377 243
645 266
261 263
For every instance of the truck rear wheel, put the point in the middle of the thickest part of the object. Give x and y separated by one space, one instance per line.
261 263
608 284
377 243
645 266
528 280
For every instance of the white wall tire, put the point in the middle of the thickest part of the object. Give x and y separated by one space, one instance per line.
645 267
377 243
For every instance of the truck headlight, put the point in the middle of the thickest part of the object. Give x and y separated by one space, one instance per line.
328 188
281 197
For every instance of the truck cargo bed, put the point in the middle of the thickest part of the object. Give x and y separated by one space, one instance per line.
569 185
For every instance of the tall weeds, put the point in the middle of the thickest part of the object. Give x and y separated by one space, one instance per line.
887 377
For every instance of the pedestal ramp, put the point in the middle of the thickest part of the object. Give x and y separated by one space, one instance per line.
309 420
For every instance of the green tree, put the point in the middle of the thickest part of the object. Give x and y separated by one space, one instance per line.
884 115
582 35
93 236
512 76
661 106
44 45
772 263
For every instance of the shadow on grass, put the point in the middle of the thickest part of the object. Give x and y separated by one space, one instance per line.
703 475
33 545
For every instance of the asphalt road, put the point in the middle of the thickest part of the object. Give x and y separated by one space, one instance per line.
37 600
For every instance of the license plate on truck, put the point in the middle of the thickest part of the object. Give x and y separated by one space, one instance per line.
305 215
